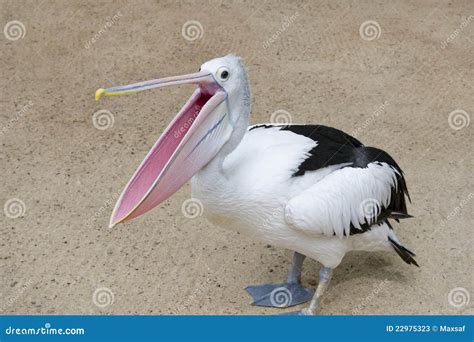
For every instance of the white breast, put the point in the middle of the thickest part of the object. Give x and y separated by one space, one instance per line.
249 190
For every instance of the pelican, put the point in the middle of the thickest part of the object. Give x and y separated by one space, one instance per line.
311 189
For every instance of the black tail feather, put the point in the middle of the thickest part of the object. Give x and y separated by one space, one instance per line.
398 215
403 253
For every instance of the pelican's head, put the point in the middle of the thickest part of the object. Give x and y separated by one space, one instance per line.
193 137
229 73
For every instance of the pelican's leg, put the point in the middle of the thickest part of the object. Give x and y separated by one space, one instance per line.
294 277
325 275
285 294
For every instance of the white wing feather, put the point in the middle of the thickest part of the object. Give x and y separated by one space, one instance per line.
348 195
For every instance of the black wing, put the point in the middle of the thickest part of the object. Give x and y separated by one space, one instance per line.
335 147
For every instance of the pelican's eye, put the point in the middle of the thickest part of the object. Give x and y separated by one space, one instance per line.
223 73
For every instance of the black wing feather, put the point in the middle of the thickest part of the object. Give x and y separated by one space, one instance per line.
336 147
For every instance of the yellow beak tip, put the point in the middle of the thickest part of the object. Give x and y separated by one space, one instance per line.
99 93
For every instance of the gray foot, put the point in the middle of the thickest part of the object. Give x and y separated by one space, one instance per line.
279 295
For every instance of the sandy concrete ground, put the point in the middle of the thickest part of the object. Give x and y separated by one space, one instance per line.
395 89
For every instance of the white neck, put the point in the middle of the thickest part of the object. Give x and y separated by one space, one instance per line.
240 108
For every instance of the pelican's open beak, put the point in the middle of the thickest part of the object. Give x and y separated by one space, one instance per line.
189 142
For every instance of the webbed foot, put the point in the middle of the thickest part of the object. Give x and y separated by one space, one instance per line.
279 295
